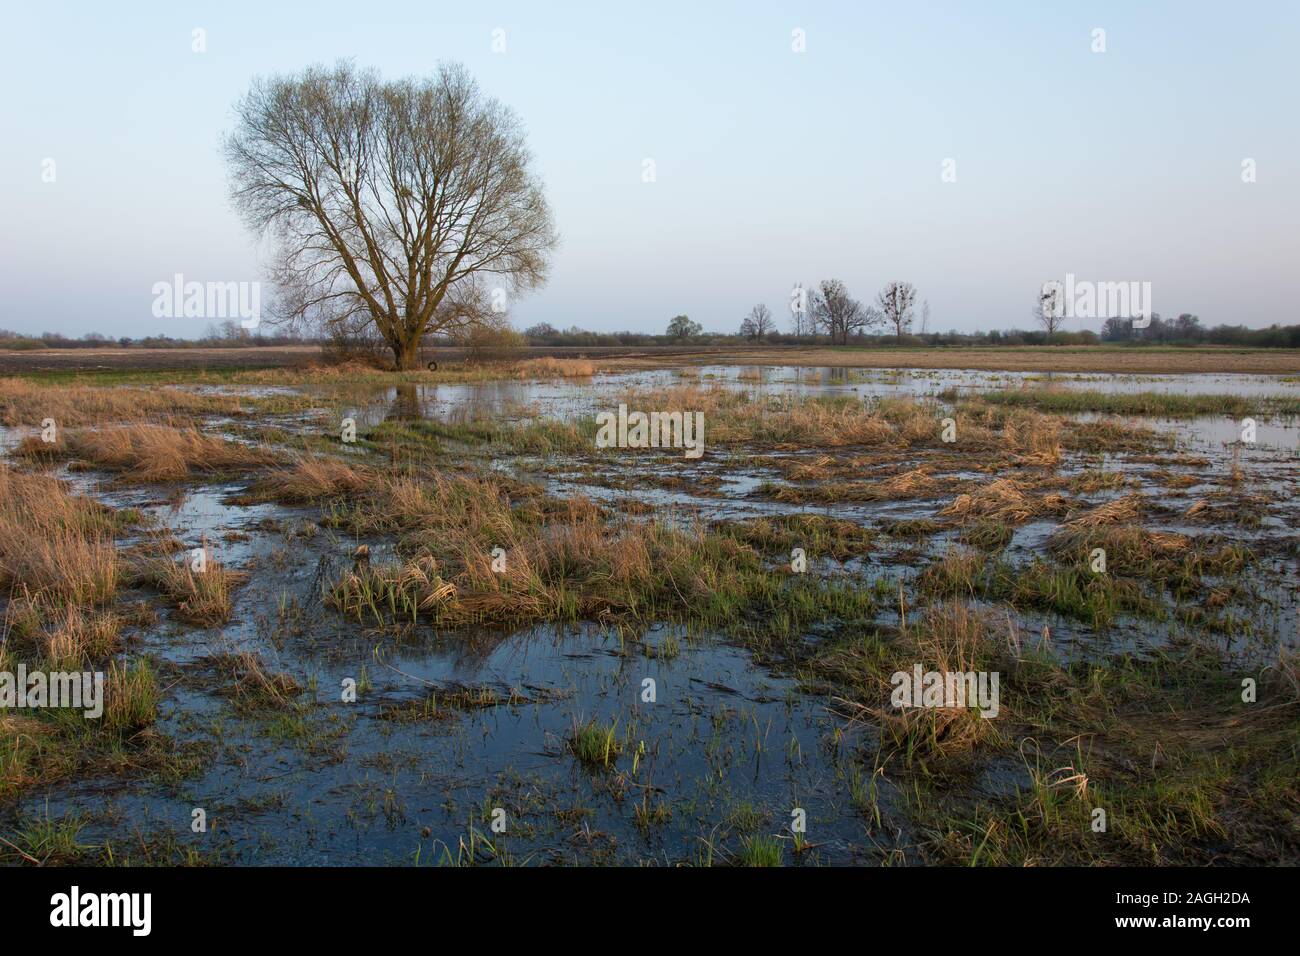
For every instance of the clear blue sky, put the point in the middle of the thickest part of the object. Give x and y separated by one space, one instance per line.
773 167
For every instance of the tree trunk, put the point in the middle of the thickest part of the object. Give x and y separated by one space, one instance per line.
407 354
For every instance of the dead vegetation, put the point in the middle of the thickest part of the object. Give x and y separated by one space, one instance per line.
1006 501
1118 511
548 367
916 483
24 402
948 638
55 543
151 453
246 679
202 595
313 479
817 535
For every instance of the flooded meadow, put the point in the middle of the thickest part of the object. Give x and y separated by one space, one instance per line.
353 617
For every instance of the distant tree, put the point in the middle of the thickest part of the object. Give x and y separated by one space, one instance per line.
1049 308
896 300
681 327
542 330
835 312
1116 329
1188 326
232 331
759 324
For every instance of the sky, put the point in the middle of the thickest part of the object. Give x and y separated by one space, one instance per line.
772 166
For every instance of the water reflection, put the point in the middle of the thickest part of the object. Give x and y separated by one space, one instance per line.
569 399
405 405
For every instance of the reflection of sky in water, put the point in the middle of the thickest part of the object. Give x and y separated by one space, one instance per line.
508 400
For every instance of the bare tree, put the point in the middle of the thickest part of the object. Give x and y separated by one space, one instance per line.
406 208
896 301
1049 310
759 324
836 312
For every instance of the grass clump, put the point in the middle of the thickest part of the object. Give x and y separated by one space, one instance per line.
818 535
759 850
248 681
310 479
1072 590
203 597
1158 404
1005 501
55 542
152 453
71 404
478 549
548 367
595 744
131 698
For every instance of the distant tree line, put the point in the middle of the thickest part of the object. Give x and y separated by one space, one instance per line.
1186 329
229 335
831 317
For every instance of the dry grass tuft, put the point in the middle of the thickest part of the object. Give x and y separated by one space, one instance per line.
917 483
314 479
950 638
1120 511
202 597
152 453
81 637
910 484
548 367
252 685
1004 500
24 402
53 542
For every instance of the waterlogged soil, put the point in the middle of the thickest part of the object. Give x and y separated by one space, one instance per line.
1260 511
565 398
453 731
727 749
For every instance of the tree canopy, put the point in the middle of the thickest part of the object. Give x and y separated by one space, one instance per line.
403 208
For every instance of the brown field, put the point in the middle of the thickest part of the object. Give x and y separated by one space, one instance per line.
1011 359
